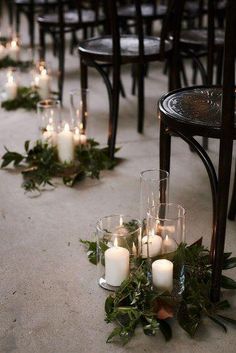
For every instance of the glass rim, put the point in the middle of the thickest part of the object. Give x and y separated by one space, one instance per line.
142 174
100 229
49 103
177 206
78 90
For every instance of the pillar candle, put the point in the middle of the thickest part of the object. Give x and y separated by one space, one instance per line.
14 50
152 243
43 83
116 265
50 136
65 145
162 274
11 87
168 245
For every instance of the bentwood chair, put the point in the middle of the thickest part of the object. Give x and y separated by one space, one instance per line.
114 50
207 111
84 14
30 8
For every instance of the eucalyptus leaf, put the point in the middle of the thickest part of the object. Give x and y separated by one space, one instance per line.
227 283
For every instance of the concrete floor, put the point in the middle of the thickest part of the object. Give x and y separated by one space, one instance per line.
49 299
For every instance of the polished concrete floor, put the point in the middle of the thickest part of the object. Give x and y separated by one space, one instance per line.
49 299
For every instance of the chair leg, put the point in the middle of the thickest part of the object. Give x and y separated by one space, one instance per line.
17 20
42 43
84 85
113 121
140 97
232 207
164 150
61 66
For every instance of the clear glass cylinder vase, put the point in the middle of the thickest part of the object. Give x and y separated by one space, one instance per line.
118 238
79 113
166 228
49 120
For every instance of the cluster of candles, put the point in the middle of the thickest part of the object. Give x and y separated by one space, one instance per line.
12 50
117 260
42 81
65 140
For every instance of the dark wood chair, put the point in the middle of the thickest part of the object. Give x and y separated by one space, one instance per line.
207 111
30 8
115 50
83 15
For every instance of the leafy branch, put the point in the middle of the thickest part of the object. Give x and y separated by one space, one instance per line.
9 62
137 302
41 164
27 98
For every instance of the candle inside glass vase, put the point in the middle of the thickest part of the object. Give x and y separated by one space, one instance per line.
10 87
79 136
65 145
49 135
42 81
14 50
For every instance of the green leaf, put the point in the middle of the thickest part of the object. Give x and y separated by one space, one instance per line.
227 283
109 304
229 263
10 157
223 305
218 322
228 319
27 145
165 330
189 322
116 332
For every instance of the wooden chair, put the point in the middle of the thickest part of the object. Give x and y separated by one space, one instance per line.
63 21
115 50
207 111
30 8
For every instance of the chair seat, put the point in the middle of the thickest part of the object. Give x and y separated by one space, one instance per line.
71 18
36 2
148 11
100 48
197 108
198 37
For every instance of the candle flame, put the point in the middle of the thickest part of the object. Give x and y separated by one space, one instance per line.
81 126
13 43
121 221
77 131
66 128
116 242
44 72
49 128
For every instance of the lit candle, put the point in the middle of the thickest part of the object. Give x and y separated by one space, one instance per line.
151 244
2 52
83 139
79 137
14 50
168 245
162 274
65 145
50 136
10 87
43 83
116 265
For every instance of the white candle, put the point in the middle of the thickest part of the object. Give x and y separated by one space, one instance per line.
79 138
3 52
83 139
151 243
168 245
162 274
14 50
50 136
116 265
11 87
65 145
43 83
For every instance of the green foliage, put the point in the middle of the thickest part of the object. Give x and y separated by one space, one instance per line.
40 164
8 62
27 98
137 303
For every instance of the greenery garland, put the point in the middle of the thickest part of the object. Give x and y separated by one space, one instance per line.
137 303
27 98
40 164
9 62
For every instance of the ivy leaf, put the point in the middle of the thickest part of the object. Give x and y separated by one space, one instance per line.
228 319
165 330
109 304
188 321
218 322
116 332
223 305
229 263
10 157
227 283
27 145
